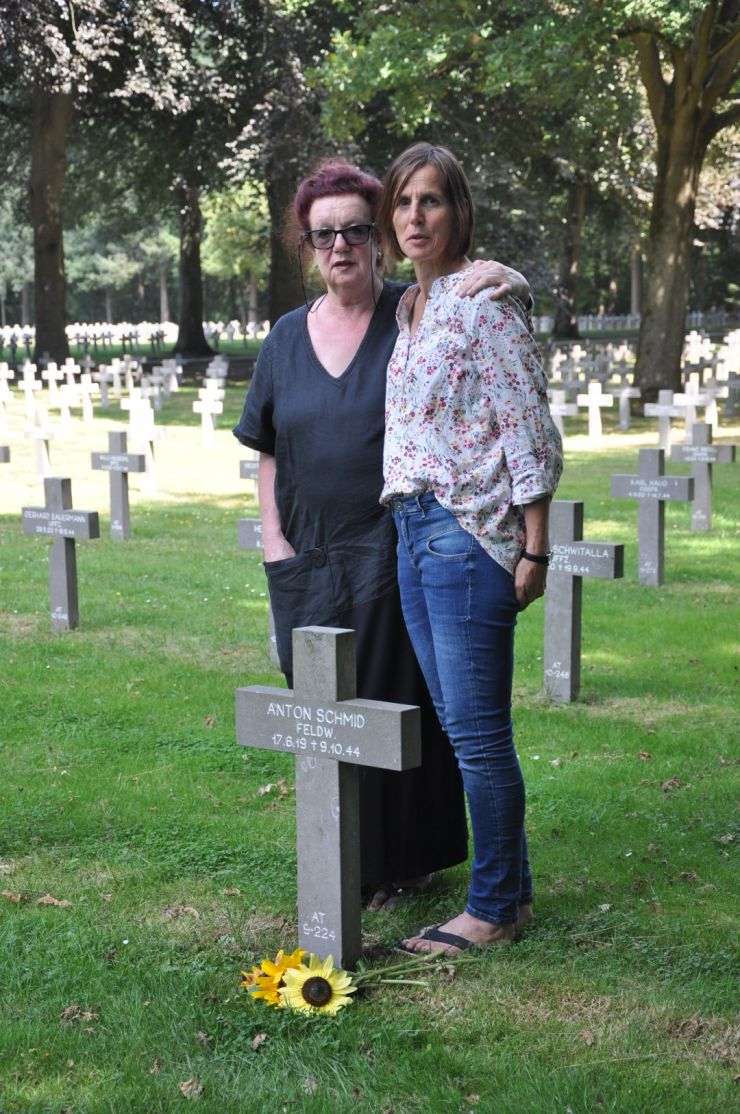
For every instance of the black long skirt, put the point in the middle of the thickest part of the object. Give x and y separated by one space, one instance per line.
411 823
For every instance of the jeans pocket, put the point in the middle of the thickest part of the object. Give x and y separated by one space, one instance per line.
451 543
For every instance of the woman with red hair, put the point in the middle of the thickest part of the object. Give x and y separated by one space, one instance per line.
315 414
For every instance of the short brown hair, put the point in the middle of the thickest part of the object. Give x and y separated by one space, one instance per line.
454 185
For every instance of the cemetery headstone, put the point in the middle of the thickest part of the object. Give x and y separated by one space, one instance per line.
41 433
118 462
624 394
595 400
652 489
560 408
702 454
210 402
248 469
331 733
693 398
53 376
572 558
4 454
58 519
249 536
663 410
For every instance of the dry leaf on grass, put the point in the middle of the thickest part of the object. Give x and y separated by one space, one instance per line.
156 1065
13 897
587 1037
209 721
177 911
280 785
80 1015
673 783
231 891
47 899
258 1040
191 1088
202 1038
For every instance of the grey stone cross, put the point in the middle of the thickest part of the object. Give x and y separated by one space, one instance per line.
572 558
248 469
652 489
663 410
560 408
249 534
331 734
624 394
59 521
702 454
118 462
595 400
4 454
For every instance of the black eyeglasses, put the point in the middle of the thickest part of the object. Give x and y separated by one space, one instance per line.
323 238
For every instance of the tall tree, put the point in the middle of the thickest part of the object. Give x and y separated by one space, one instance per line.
688 55
579 56
51 57
451 70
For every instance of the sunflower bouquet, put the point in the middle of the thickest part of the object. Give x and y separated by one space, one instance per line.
318 987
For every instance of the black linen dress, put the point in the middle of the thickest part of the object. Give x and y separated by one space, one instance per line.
326 434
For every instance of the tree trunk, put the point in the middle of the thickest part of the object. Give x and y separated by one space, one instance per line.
52 115
682 108
191 339
636 281
285 291
681 150
164 298
566 303
253 299
26 304
108 307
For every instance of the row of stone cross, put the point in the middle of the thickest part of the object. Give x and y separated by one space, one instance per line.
321 721
67 387
604 360
680 404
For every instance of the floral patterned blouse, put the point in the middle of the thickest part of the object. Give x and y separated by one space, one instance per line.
467 416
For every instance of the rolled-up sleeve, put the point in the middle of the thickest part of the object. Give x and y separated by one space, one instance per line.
511 371
256 429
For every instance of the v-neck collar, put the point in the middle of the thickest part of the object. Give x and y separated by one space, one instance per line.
369 331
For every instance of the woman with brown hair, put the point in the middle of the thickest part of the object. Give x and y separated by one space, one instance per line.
471 461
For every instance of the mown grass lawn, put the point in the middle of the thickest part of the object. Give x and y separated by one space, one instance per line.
145 859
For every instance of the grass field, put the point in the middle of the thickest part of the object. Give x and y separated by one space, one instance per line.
145 859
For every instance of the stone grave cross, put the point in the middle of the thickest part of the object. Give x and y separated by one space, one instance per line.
249 535
663 410
118 462
623 394
58 520
210 402
595 400
331 734
652 489
572 559
4 454
702 454
560 408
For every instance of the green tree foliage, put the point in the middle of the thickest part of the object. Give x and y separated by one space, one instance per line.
573 68
236 243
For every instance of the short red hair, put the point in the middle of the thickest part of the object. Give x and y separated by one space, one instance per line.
329 179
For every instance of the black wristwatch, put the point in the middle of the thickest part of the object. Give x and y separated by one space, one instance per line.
538 558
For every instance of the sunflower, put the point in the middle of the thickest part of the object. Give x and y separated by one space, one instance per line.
265 981
318 988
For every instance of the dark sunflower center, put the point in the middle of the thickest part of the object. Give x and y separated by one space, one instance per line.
316 991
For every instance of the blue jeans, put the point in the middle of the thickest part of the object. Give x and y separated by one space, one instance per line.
460 609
